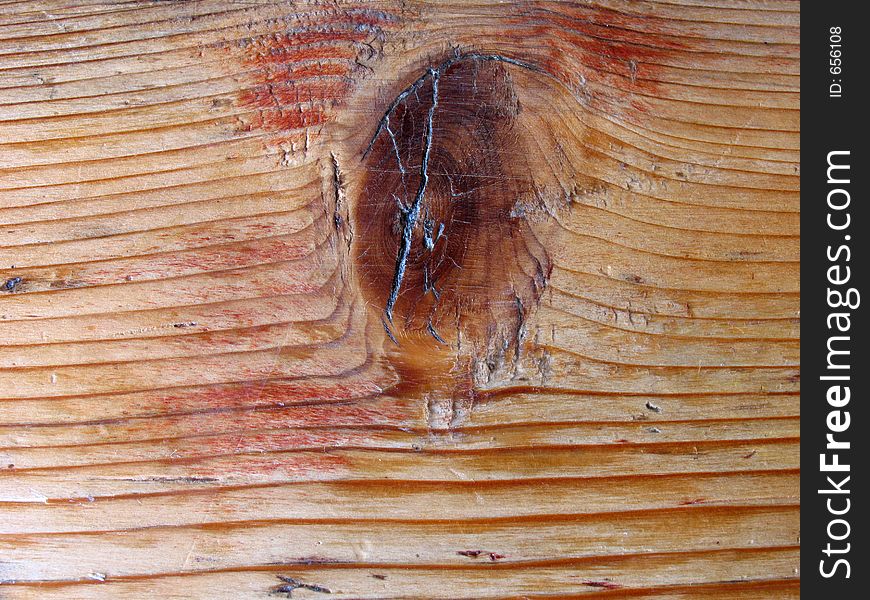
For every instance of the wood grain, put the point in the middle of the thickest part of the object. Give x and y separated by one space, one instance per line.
224 376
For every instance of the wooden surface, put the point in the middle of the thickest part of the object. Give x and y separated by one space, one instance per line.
201 395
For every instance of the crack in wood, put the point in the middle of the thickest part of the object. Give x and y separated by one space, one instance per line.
291 584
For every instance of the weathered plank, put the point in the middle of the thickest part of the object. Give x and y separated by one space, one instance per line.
399 299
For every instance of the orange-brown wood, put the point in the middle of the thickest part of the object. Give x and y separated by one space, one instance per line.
388 299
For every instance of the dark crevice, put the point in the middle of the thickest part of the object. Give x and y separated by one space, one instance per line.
412 213
291 584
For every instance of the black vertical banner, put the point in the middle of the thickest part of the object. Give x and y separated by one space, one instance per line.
835 225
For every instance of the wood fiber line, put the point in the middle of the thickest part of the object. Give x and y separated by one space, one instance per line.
392 299
536 580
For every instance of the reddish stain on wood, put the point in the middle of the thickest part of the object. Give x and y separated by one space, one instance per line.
273 393
605 57
299 76
286 119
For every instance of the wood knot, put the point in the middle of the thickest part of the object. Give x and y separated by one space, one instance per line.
449 246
